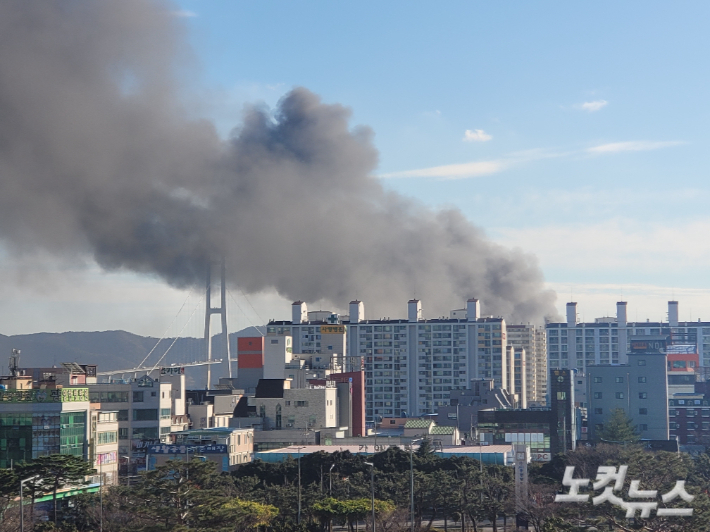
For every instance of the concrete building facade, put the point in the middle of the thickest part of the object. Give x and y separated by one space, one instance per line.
639 388
533 339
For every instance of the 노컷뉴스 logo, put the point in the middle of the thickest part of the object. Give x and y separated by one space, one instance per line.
605 474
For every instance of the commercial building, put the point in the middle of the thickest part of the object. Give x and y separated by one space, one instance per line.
144 412
250 362
311 408
639 388
463 407
546 431
104 445
227 447
40 422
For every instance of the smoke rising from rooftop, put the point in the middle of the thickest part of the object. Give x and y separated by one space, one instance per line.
99 159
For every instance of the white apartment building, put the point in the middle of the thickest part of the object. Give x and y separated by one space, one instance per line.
533 339
606 340
410 364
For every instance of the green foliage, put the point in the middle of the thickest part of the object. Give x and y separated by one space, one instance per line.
619 428
55 472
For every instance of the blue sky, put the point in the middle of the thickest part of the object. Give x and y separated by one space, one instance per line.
587 123
575 131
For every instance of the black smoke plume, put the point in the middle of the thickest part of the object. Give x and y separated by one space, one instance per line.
98 159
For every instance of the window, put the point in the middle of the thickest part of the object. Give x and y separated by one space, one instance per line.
122 434
642 362
164 430
597 395
643 427
561 396
137 397
690 413
599 411
643 411
145 433
164 413
672 425
619 380
597 379
108 397
145 414
106 437
643 395
642 380
619 395
123 415
301 403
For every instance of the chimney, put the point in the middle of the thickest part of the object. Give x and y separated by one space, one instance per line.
473 309
414 307
571 314
357 311
673 313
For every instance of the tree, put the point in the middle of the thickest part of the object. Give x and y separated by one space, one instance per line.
57 471
180 495
9 487
619 428
247 515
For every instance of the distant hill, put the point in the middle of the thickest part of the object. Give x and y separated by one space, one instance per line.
111 350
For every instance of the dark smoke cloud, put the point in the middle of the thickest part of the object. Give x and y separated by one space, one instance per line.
97 158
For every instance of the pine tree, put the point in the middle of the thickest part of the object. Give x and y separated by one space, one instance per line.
619 428
57 471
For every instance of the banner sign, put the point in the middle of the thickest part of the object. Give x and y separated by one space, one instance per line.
176 370
187 449
332 329
64 395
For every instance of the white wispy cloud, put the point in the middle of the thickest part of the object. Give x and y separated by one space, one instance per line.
633 145
452 171
184 13
476 135
594 106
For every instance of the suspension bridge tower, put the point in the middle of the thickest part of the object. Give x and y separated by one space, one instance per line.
222 311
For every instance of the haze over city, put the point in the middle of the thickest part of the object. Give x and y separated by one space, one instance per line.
526 155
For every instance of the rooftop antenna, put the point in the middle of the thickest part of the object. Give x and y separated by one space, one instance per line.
15 362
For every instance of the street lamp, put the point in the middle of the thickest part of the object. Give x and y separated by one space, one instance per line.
101 493
299 485
22 501
411 477
372 487
330 490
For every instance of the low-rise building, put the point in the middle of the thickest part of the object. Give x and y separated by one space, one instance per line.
40 422
104 445
144 407
227 447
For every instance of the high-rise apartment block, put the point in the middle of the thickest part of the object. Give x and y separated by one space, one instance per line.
606 340
411 365
531 338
